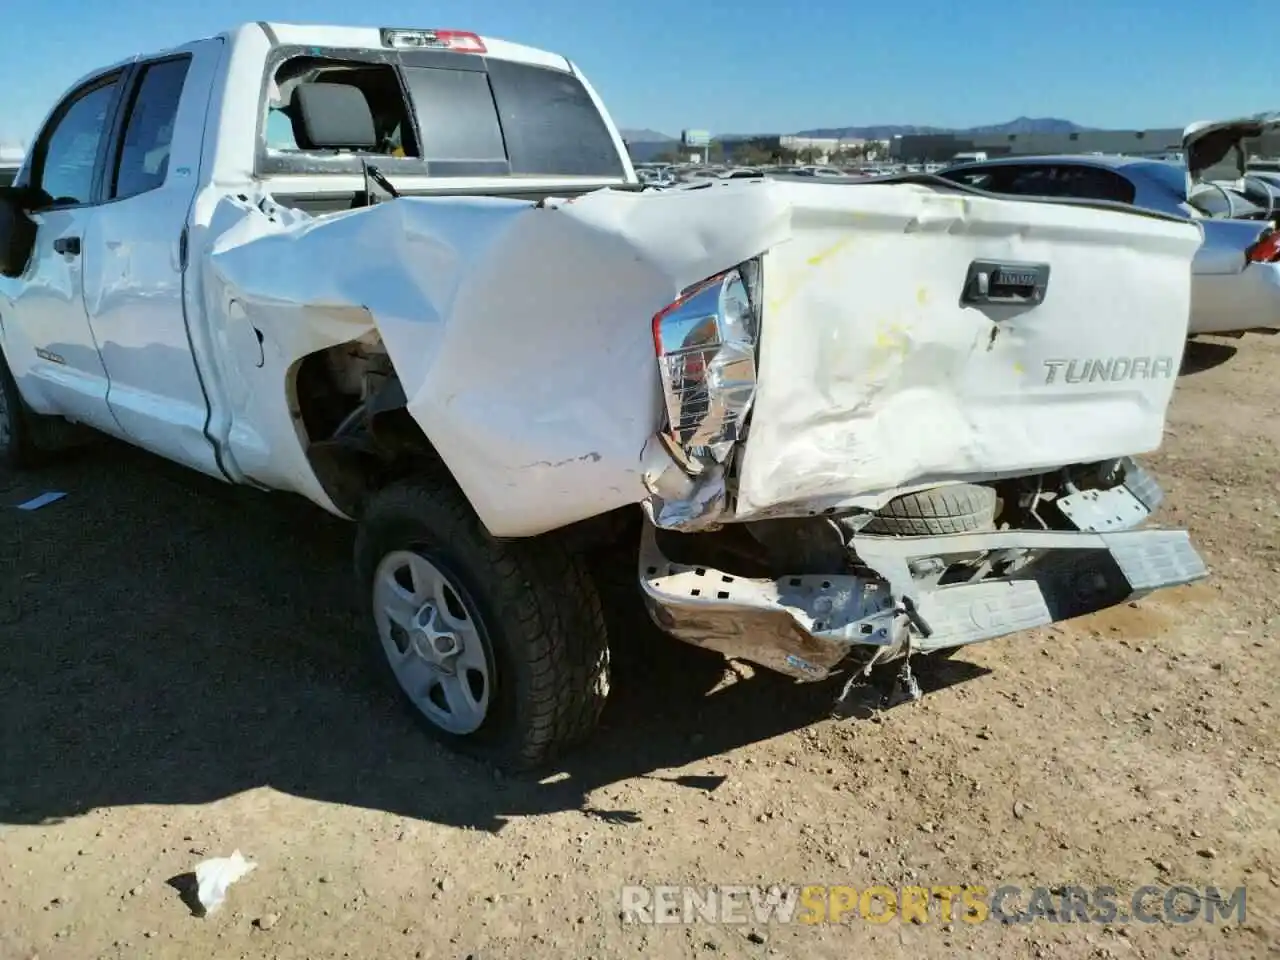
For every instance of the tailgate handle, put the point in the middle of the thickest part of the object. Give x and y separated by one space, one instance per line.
991 281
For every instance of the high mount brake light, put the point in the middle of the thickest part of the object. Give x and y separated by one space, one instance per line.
705 343
1266 250
459 41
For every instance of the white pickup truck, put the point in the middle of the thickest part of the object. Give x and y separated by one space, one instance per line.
410 276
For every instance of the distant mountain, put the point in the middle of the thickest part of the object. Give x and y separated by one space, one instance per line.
645 136
1031 125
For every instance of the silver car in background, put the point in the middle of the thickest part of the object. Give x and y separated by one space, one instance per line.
1236 273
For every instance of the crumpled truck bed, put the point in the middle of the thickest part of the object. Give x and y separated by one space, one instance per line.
522 334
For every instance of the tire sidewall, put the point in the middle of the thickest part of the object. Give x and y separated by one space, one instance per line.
15 444
454 553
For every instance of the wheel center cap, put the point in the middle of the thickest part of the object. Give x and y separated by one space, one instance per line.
431 643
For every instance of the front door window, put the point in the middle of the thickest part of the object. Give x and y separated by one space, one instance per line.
67 159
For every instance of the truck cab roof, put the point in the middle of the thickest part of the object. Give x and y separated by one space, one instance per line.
333 36
453 111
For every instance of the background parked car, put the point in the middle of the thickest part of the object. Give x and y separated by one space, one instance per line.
1270 177
742 173
1236 274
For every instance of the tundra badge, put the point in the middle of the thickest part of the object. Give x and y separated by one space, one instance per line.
1110 369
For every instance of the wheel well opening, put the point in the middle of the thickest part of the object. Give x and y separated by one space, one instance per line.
358 431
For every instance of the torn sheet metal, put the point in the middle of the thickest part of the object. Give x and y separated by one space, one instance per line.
522 336
800 626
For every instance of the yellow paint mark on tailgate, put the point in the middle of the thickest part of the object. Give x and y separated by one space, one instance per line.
818 258
891 344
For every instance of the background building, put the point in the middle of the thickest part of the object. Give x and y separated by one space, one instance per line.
934 147
1024 136
793 147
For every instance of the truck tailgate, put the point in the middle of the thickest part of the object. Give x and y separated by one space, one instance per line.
876 371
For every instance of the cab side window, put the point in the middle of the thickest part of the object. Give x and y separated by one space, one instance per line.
67 157
143 160
377 82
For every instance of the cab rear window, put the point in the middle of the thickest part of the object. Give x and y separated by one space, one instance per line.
456 115
459 115
550 123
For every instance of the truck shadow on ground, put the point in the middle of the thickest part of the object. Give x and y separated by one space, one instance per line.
171 640
1203 355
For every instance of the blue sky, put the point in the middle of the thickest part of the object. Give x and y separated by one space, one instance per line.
758 65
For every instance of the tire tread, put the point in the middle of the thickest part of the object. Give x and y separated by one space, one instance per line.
545 600
961 508
22 451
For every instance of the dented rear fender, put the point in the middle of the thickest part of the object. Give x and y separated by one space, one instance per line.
521 333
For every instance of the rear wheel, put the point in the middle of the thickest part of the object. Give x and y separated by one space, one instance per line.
499 649
17 444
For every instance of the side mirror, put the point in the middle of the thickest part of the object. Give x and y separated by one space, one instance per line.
17 231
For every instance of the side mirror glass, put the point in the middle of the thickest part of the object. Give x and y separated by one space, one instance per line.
17 231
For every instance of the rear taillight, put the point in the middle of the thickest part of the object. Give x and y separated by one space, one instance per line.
459 41
705 343
1266 250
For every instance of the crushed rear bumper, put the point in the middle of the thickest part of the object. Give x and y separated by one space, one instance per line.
804 626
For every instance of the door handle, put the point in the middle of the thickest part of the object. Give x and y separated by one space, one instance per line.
1005 283
69 245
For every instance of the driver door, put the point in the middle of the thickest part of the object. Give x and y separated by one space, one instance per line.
48 342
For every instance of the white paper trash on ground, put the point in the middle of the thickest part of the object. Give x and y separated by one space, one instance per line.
42 501
213 877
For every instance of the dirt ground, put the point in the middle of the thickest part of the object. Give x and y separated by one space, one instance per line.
179 677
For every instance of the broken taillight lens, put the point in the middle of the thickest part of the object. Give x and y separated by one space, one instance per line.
705 343
1266 250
